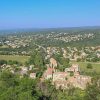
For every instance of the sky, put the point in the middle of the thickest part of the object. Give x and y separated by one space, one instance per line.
49 13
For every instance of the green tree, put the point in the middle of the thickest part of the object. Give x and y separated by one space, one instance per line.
93 90
10 62
36 59
89 66
3 62
71 73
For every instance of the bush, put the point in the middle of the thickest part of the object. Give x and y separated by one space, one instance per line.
71 73
89 66
3 62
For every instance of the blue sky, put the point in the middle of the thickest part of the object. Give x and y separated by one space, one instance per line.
48 13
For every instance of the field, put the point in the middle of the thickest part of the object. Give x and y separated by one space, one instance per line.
83 66
21 59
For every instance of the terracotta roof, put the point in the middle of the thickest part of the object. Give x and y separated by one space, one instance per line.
60 73
49 71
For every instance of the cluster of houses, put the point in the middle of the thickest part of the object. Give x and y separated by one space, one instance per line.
75 54
21 71
17 42
68 38
64 79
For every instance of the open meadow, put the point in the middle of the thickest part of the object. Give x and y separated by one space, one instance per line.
83 66
18 58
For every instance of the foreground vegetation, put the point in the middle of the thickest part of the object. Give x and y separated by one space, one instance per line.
14 88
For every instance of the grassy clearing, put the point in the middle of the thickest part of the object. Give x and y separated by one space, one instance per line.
14 57
4 46
83 66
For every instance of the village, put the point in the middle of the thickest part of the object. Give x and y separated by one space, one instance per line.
60 79
70 77
91 54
